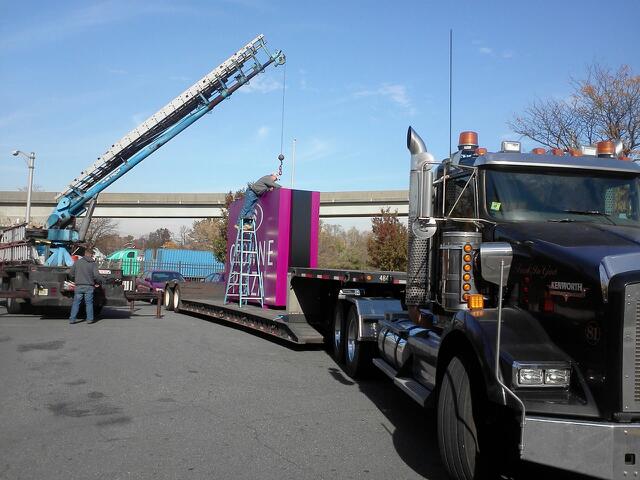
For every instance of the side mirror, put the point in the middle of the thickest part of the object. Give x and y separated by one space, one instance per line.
493 256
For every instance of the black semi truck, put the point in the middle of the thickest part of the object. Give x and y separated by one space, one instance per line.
518 317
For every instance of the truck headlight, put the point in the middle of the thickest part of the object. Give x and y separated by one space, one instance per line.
557 376
530 376
540 375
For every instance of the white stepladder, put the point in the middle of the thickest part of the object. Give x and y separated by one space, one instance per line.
245 277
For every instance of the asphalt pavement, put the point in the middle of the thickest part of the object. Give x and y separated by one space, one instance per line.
182 397
136 397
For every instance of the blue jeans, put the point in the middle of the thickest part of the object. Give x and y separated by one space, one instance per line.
250 200
86 292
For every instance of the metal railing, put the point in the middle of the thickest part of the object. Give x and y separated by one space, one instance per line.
190 271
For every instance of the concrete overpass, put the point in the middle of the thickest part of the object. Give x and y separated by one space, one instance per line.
200 205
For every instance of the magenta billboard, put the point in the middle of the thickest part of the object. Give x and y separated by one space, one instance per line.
287 229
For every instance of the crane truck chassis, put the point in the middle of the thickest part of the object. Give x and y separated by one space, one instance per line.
518 317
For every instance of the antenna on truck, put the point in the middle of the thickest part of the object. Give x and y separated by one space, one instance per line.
450 86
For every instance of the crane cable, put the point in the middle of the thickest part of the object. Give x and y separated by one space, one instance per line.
281 156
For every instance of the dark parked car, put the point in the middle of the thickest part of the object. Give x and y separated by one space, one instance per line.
217 277
155 280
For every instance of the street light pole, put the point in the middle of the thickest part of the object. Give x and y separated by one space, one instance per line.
293 163
31 160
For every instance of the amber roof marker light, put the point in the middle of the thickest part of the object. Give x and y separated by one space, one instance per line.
606 149
468 140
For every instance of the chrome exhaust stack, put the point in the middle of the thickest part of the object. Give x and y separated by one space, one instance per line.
422 225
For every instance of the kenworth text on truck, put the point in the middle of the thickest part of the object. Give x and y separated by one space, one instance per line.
518 317
34 262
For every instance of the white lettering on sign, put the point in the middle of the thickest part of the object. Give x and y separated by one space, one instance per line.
566 286
269 252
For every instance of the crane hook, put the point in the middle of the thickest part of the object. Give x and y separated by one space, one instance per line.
281 158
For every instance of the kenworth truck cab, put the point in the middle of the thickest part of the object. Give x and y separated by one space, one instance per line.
521 315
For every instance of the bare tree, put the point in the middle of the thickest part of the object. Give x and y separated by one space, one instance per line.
603 106
99 229
183 236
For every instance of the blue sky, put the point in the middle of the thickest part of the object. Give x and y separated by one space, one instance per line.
76 76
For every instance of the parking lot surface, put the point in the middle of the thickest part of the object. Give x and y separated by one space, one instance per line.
183 398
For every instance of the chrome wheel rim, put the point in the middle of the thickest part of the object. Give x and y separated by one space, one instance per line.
351 341
166 297
337 333
176 299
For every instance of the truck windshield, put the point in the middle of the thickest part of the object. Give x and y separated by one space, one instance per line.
529 195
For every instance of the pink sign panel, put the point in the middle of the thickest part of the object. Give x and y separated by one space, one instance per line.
287 226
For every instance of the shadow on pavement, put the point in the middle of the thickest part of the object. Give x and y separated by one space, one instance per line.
414 429
414 435
107 313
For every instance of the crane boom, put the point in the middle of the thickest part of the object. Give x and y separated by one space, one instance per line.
157 130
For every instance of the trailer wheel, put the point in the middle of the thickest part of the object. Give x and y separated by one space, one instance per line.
13 306
176 299
457 424
168 298
338 333
358 354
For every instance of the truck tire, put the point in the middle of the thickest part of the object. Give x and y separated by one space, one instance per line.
358 354
13 306
337 333
457 425
168 298
176 299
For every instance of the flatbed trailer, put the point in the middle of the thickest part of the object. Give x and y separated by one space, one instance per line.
308 318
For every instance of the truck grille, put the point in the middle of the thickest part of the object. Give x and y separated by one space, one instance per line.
631 349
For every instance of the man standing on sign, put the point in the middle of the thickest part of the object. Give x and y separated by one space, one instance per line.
86 275
251 195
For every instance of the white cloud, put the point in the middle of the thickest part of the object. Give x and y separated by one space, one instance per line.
79 20
261 84
508 54
138 117
263 132
13 117
313 149
395 92
117 71
485 50
179 78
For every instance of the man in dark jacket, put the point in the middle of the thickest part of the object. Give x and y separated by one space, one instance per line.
253 192
86 275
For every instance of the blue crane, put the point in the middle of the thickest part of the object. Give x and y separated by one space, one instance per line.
81 195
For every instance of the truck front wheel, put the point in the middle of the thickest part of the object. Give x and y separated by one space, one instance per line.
457 424
358 354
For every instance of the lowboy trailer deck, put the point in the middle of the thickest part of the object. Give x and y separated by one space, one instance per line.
309 316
